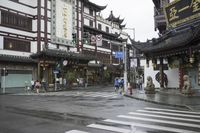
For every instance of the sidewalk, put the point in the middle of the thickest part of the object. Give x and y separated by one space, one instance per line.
169 97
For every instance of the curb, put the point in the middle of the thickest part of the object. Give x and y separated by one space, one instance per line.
161 103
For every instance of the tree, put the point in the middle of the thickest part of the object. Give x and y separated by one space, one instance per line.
70 77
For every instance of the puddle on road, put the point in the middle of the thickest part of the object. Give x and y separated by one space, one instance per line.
66 117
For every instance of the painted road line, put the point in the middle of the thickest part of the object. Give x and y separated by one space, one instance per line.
155 127
170 110
109 128
160 121
166 117
172 114
76 131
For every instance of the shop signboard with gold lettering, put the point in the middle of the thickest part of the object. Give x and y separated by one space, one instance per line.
181 11
62 21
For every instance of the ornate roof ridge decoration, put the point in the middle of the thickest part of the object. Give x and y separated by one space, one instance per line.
94 6
122 26
173 39
120 20
61 54
14 58
114 19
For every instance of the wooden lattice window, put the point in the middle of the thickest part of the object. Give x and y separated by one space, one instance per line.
16 21
16 45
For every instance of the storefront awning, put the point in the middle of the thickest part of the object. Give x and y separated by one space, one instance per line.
61 54
13 58
172 42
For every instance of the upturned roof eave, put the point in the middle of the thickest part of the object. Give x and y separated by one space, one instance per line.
58 54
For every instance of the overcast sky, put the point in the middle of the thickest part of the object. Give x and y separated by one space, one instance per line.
137 14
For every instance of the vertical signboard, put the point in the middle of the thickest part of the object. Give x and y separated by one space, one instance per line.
62 21
181 11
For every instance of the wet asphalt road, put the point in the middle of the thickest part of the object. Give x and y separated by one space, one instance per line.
49 113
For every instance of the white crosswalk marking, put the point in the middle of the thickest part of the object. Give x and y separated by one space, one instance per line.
153 119
172 114
109 128
99 94
160 121
76 94
170 110
155 127
75 131
167 117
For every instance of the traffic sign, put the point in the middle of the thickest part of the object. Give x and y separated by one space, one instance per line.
99 40
119 55
55 71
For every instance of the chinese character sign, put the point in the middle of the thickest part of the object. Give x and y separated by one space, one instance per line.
181 11
62 21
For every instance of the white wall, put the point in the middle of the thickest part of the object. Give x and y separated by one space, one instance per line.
19 7
17 53
16 31
86 10
29 2
1 42
172 75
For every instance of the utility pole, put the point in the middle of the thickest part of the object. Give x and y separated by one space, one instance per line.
125 67
4 80
125 61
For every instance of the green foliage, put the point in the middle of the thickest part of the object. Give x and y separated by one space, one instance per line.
70 76
106 74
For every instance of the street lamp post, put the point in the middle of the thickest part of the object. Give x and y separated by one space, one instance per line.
125 62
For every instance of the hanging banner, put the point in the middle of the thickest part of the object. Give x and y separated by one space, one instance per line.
62 21
180 11
99 40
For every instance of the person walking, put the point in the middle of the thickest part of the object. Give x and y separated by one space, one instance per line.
140 82
121 84
37 86
32 85
116 84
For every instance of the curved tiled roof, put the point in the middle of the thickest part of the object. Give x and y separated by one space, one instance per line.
14 58
94 6
57 54
112 18
171 41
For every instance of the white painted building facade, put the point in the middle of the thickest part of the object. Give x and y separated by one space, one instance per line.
32 23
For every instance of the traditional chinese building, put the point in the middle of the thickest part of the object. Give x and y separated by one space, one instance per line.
43 39
176 52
